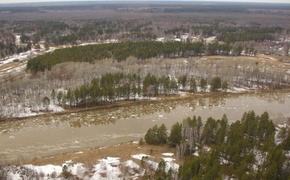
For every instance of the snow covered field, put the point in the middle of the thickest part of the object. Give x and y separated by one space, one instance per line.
24 55
18 111
109 168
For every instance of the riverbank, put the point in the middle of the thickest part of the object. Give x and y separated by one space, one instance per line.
160 99
123 161
49 135
90 156
29 102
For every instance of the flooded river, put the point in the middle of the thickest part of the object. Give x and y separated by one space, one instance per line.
42 136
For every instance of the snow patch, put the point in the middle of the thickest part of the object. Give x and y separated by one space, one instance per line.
108 168
131 164
168 154
140 156
46 170
170 164
196 153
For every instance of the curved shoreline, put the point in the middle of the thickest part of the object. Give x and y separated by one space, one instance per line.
94 147
128 103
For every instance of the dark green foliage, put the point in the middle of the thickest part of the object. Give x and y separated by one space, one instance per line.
274 164
111 87
162 134
175 136
203 84
212 167
195 124
222 126
150 85
249 34
208 134
156 135
286 143
191 168
182 80
266 129
204 167
225 85
118 51
250 126
121 51
218 49
215 84
192 85
233 148
167 85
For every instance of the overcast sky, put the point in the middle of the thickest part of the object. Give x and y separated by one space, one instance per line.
271 1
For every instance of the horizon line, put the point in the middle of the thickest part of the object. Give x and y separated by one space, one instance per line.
139 1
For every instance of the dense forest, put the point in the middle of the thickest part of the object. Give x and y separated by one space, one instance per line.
66 33
55 33
118 51
229 34
134 24
250 148
258 34
61 32
119 86
121 51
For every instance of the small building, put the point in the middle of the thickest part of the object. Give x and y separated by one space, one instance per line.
184 37
160 39
196 39
17 39
210 40
176 39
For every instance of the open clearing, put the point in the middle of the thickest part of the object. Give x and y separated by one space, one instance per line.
92 155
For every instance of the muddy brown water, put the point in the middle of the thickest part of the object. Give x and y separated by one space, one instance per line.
48 135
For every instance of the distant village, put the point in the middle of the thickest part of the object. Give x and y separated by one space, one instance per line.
278 48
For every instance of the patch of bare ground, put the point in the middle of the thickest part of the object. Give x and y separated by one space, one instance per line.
259 58
91 156
12 71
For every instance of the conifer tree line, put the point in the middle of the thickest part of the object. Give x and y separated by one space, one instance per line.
250 148
119 86
257 34
121 51
233 34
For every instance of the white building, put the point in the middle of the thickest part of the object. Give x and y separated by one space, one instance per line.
160 39
17 39
210 40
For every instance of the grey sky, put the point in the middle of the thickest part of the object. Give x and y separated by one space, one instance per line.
269 1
